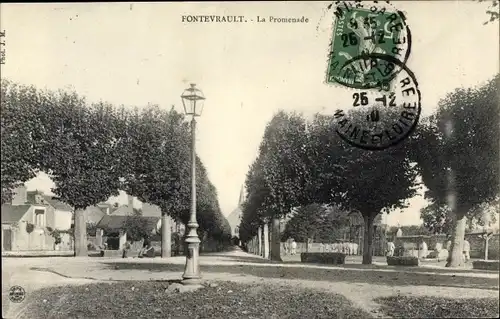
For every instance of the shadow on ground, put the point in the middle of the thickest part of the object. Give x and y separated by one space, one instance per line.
333 274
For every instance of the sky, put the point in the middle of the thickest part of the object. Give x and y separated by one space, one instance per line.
135 54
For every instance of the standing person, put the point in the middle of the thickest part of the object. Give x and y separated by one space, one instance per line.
466 250
294 247
126 249
425 249
287 247
390 249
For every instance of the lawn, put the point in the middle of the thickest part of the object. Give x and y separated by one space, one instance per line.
427 307
149 299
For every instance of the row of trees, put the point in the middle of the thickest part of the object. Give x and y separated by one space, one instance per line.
455 152
93 150
320 223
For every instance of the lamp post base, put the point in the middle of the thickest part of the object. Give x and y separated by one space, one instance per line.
192 275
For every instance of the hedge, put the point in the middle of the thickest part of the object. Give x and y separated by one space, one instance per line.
403 261
486 264
323 258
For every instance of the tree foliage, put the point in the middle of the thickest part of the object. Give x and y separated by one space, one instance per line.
317 222
136 227
492 11
438 219
18 125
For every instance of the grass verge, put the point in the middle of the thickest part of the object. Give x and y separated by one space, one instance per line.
149 299
435 307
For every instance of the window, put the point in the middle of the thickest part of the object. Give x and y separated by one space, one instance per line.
40 217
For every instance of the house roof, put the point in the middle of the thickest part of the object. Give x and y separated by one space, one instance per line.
13 213
123 210
117 221
93 214
57 204
150 210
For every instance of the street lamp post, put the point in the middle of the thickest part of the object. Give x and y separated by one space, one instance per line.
192 100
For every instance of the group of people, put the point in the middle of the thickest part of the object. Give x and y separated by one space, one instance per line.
147 249
347 248
391 247
290 247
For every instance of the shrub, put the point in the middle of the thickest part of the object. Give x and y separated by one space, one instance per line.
323 258
91 246
403 261
56 235
486 264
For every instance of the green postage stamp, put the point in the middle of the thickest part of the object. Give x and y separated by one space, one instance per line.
359 31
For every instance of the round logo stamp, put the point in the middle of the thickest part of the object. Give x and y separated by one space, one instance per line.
17 294
379 119
362 28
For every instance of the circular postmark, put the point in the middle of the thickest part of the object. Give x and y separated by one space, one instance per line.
380 119
362 28
17 294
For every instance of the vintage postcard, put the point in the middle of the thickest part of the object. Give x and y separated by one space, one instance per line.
292 159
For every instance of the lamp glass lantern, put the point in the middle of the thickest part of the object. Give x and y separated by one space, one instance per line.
193 100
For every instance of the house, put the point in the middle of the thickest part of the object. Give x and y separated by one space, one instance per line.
30 218
234 218
114 223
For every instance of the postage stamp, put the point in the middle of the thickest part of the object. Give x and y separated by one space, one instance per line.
359 31
378 120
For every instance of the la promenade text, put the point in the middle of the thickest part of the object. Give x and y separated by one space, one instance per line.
241 19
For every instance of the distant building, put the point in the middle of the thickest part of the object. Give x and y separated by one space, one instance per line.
27 222
234 218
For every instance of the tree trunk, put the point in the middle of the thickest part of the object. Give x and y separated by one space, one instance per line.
166 236
266 240
259 239
275 240
368 239
455 256
486 247
80 233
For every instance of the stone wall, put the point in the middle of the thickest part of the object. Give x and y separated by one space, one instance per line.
38 239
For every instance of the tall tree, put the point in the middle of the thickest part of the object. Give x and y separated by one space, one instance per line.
377 181
79 153
282 151
458 155
158 148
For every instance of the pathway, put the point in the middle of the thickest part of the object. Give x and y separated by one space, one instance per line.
238 266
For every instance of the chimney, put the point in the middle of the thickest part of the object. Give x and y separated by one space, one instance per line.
19 195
